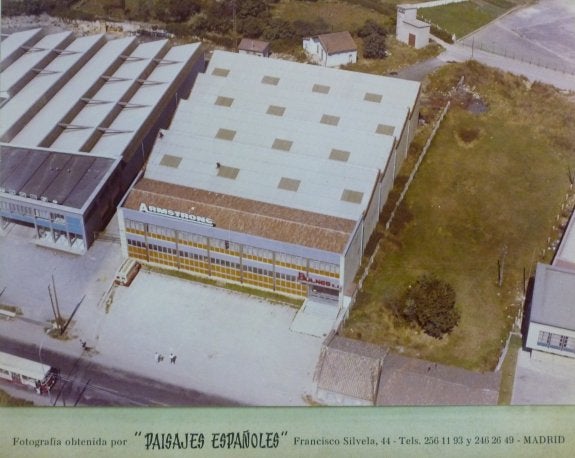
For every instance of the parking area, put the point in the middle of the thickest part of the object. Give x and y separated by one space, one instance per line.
543 379
26 271
229 344
542 34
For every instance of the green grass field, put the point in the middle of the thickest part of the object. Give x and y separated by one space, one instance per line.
471 201
465 17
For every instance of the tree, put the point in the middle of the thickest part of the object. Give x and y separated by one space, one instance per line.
370 27
175 10
374 46
431 304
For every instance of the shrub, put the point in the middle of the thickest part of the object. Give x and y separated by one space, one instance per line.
431 304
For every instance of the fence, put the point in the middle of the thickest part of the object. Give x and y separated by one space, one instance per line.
342 318
503 52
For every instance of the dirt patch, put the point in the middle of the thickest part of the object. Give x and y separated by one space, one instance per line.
467 135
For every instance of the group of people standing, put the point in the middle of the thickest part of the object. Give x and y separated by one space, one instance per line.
160 358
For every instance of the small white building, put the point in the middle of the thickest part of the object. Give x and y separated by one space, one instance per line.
551 320
411 30
331 49
255 47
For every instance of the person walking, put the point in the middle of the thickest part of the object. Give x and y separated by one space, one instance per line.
158 357
172 358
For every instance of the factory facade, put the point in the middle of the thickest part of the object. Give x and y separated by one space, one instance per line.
272 174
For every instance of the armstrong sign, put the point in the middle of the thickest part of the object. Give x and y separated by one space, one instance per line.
176 214
307 280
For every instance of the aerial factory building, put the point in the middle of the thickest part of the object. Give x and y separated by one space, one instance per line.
78 119
272 174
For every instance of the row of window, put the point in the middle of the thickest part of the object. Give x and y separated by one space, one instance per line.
557 341
251 275
232 248
31 212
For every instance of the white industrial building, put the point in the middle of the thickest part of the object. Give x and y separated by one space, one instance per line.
272 174
331 49
552 311
78 119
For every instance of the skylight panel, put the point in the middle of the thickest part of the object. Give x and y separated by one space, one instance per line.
353 197
170 161
281 144
320 88
372 97
272 80
339 155
226 134
228 172
384 129
289 184
224 101
220 72
276 110
330 120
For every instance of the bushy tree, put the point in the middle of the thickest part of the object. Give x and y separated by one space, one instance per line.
374 46
175 10
279 29
370 27
430 303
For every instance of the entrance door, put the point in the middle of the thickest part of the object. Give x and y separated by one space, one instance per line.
327 295
411 40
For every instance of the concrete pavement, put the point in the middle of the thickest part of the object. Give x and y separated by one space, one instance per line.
227 344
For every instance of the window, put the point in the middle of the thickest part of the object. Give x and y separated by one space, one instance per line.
272 80
320 88
557 341
330 120
283 145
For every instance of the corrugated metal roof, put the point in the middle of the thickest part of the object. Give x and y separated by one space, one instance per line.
553 300
58 106
55 72
196 122
31 59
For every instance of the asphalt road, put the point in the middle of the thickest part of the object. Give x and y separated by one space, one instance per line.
88 384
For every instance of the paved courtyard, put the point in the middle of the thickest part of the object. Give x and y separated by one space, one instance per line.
233 345
544 379
542 33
